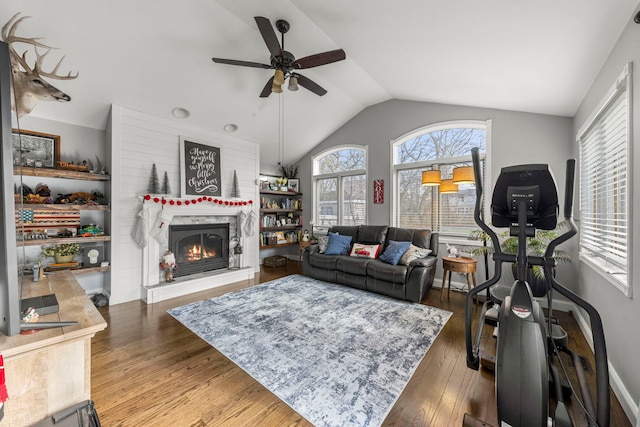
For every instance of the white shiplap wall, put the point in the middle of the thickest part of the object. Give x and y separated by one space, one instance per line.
137 141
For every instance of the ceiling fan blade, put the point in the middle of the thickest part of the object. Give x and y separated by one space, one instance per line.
266 91
241 63
319 59
269 36
310 85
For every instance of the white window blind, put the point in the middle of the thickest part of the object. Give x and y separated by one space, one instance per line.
604 187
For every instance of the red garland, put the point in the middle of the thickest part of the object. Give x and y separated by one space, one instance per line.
220 202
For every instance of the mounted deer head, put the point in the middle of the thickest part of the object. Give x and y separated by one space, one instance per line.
28 84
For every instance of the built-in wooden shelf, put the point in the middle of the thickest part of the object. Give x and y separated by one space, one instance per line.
59 173
281 228
83 270
280 193
266 211
63 207
37 242
281 245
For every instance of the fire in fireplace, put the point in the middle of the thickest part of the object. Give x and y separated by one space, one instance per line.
197 253
199 247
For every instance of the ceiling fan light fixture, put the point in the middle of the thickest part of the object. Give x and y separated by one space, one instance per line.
276 88
278 78
293 83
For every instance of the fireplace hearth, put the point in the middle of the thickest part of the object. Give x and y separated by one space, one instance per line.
199 247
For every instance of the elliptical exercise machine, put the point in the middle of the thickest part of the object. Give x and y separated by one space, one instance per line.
528 385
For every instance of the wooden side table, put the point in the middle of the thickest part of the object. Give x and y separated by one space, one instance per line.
301 247
466 266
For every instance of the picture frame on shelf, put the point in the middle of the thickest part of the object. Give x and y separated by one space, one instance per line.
35 149
92 256
280 239
294 185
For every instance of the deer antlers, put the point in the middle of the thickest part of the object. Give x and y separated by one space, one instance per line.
29 87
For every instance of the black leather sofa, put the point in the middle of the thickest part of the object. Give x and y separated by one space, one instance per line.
410 282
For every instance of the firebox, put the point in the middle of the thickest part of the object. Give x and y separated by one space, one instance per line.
199 247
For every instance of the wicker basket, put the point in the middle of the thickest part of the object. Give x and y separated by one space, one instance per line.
275 261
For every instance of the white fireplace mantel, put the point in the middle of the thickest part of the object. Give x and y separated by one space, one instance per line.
155 289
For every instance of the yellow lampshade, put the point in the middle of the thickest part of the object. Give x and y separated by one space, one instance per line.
431 178
276 88
447 186
278 78
463 175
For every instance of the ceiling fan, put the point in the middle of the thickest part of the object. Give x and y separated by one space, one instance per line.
284 63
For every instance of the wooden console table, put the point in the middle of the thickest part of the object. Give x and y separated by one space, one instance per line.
50 370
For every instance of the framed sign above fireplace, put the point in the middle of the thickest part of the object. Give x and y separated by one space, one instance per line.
199 169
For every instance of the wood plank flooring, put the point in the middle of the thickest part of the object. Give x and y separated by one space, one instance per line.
149 370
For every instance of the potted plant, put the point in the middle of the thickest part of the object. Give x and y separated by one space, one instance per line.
62 252
536 246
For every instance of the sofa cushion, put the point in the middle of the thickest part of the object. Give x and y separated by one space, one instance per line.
379 270
338 245
418 237
366 251
353 265
323 261
372 234
346 230
413 253
394 251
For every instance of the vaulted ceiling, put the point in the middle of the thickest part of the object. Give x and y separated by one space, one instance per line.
152 56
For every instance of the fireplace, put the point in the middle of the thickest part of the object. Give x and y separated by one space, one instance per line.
199 247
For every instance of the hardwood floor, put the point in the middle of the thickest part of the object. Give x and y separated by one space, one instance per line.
149 370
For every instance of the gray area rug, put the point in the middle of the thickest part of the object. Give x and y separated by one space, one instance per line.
338 356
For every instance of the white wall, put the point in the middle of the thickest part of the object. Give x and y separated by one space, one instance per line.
620 315
137 141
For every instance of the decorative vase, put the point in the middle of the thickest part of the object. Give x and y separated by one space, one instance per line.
61 259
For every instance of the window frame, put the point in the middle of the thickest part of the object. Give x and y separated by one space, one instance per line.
339 176
485 157
596 263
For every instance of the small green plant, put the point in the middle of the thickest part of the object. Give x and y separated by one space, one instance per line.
61 249
289 171
536 246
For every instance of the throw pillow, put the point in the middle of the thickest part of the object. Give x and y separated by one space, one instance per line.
414 252
322 244
394 251
338 245
365 251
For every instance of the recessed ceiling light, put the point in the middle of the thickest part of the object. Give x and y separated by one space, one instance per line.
180 113
230 127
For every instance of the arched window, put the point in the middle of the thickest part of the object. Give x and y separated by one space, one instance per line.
340 186
440 147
